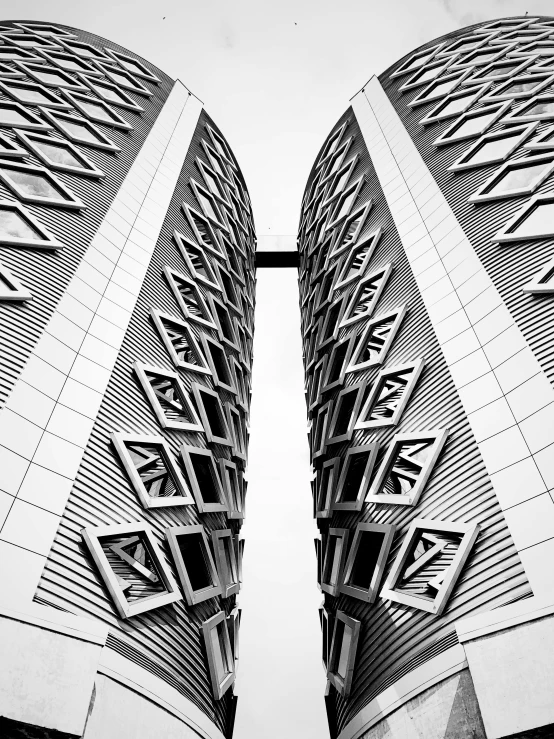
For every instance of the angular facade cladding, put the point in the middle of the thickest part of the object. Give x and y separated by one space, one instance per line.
426 296
127 298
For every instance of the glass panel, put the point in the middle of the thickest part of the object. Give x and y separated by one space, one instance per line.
129 64
70 64
59 154
6 53
34 185
80 131
505 69
491 150
539 221
346 408
474 125
457 105
12 226
208 208
544 108
442 88
28 95
520 87
418 62
365 561
97 111
12 116
50 77
430 74
109 94
346 204
344 652
520 178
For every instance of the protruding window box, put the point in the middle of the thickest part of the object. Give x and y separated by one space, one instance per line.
196 260
334 559
534 221
37 185
168 397
152 470
212 415
97 110
135 66
493 147
226 561
543 282
342 657
429 563
389 395
204 479
516 178
472 124
233 488
189 298
376 340
111 93
195 565
219 653
124 79
180 342
132 567
345 413
49 76
11 288
406 467
354 478
15 114
325 484
233 625
9 149
366 561
366 296
31 93
218 363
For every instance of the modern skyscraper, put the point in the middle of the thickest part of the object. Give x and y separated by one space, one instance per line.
127 298
427 295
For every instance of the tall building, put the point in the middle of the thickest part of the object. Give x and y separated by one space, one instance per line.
126 300
427 297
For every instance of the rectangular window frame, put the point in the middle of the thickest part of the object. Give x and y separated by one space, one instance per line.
436 606
482 196
92 536
342 537
519 116
220 683
438 436
464 163
343 685
238 433
74 203
506 234
79 100
158 317
324 498
229 578
348 319
438 113
141 369
203 507
198 391
54 57
132 84
228 471
192 597
54 102
398 314
173 277
357 505
120 441
89 169
143 73
446 136
417 368
56 119
359 390
368 595
96 86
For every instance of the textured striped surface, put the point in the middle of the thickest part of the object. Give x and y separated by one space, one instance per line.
395 639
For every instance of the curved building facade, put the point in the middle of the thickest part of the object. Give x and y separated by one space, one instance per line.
426 290
127 297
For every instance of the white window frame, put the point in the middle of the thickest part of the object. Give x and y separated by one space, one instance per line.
370 594
30 139
437 114
227 471
198 391
371 450
229 579
92 537
220 683
201 504
324 497
53 55
173 277
132 84
33 69
343 685
481 195
435 606
121 440
506 236
57 118
464 160
96 85
141 369
78 98
341 537
374 495
348 319
158 318
54 101
47 242
446 138
398 314
537 286
359 390
73 204
192 597
416 368
144 72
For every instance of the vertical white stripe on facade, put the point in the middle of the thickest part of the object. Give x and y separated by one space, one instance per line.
506 395
47 420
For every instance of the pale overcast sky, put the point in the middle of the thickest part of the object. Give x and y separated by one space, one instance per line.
275 76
